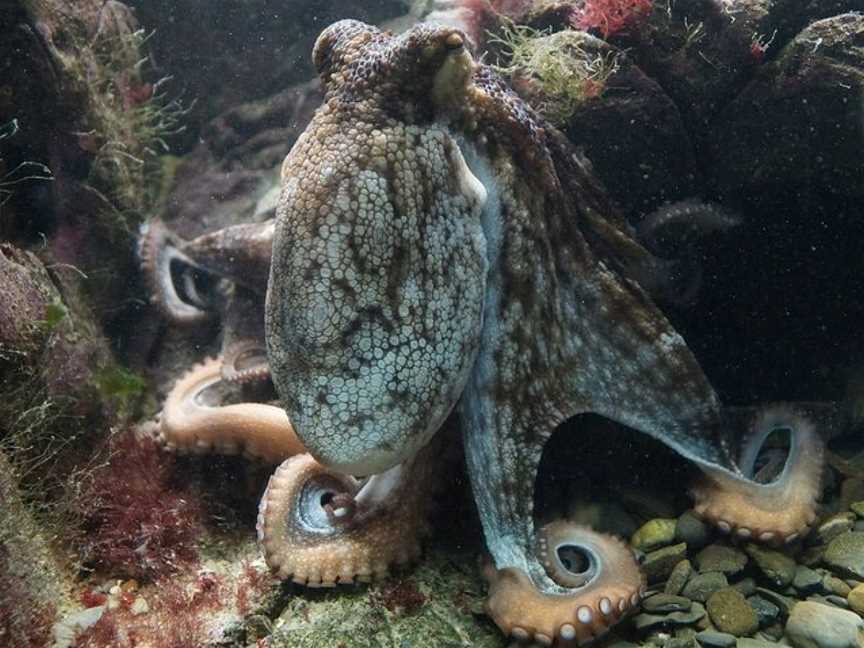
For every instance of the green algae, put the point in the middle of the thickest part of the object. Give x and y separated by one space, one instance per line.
55 312
436 605
569 68
121 387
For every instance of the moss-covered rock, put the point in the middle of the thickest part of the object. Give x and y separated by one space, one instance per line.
731 613
436 605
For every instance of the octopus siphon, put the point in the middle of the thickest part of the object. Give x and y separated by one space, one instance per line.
439 249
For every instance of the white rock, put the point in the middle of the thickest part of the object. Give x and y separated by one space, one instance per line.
815 625
139 606
64 631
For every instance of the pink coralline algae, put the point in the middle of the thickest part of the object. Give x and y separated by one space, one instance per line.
610 16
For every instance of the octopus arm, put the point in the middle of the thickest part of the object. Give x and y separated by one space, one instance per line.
188 423
244 353
320 527
159 252
239 252
773 503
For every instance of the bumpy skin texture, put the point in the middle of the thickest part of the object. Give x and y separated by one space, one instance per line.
376 524
438 246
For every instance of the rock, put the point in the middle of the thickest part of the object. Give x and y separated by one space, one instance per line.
605 125
806 580
836 586
659 564
654 534
812 556
712 639
747 586
356 618
819 86
856 599
766 611
845 553
837 601
834 526
814 625
139 606
851 490
731 613
746 642
678 578
702 586
773 632
783 602
693 531
720 558
777 567
857 508
681 642
646 621
64 631
33 583
661 603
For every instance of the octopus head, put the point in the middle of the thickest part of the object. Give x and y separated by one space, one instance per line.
375 297
408 76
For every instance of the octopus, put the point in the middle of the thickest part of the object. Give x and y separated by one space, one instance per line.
441 256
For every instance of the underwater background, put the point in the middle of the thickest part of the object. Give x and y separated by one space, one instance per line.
704 155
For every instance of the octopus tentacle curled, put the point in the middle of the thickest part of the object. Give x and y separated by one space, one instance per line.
159 254
245 361
600 584
190 423
779 509
320 527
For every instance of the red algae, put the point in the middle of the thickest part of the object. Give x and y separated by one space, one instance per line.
611 16
252 581
402 597
176 616
139 522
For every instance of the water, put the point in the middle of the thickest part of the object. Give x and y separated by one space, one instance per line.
605 254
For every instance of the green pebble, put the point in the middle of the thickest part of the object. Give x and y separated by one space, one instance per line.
720 558
659 564
834 526
777 567
701 586
654 534
730 612
845 553
678 578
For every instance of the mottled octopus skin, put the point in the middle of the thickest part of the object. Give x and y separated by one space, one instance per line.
389 513
439 246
